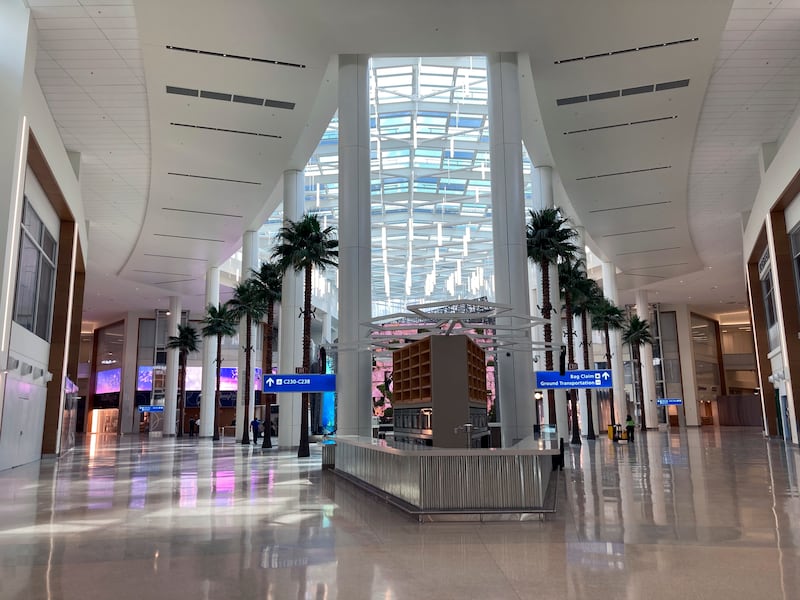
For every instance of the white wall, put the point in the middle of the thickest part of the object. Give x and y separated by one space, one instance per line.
23 423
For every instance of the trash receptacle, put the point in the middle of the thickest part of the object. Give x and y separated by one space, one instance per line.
611 432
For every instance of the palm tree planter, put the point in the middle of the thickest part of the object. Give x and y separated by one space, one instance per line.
608 316
301 246
269 283
635 333
185 342
220 322
247 303
548 240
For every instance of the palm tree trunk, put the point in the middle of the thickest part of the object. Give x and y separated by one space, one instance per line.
182 400
216 390
573 394
248 343
547 308
266 368
608 364
589 411
303 449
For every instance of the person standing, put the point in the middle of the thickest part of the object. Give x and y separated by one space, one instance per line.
629 427
255 426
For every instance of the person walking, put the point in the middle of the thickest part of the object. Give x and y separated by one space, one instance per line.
629 427
255 425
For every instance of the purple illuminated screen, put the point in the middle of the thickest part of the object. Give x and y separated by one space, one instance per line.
144 379
108 381
194 379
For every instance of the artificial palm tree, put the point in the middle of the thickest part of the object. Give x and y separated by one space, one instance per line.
269 282
586 296
635 333
218 322
570 274
608 316
548 239
247 303
301 246
185 342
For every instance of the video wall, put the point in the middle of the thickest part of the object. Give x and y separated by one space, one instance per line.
229 379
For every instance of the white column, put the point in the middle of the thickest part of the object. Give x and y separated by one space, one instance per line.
171 388
646 356
617 368
514 369
209 385
290 326
327 327
353 381
542 199
688 410
18 49
128 414
579 337
562 417
249 261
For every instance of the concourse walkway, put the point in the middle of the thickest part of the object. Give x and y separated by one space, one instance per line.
705 514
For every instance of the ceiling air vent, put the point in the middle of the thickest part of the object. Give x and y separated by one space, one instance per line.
269 61
600 127
648 251
625 51
201 212
631 91
226 97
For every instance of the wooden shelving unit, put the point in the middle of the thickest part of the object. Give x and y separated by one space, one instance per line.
439 386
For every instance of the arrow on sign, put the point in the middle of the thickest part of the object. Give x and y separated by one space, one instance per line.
606 375
270 381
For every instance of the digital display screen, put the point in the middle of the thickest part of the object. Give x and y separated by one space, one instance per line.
108 382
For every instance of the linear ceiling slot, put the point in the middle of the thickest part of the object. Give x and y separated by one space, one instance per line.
175 281
599 210
188 237
642 122
648 251
269 61
171 89
573 100
680 264
225 97
671 85
175 257
625 51
214 178
641 89
162 273
640 231
604 95
202 212
269 135
624 173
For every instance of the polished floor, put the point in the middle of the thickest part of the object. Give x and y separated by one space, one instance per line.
705 514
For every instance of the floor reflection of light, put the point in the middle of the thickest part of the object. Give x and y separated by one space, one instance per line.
188 490
138 492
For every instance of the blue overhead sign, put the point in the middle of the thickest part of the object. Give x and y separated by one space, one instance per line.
546 380
151 408
669 401
275 384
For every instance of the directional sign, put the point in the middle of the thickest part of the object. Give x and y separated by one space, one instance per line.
275 384
573 379
669 401
150 408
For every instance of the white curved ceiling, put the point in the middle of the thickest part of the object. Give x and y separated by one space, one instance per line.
143 236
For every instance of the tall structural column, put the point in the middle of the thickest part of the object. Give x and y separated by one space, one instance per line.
514 368
650 414
249 262
208 392
542 199
16 49
617 369
171 388
290 326
353 381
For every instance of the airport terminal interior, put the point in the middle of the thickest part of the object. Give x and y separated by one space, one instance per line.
416 299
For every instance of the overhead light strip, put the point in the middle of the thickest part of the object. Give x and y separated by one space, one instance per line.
230 97
600 210
202 212
631 91
626 51
214 178
269 61
162 273
623 173
680 264
648 251
640 231
175 257
175 281
601 127
188 237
